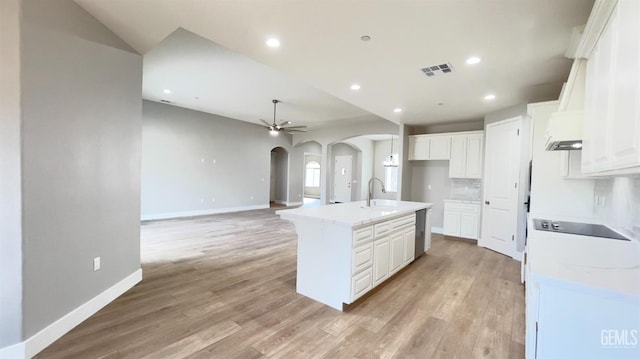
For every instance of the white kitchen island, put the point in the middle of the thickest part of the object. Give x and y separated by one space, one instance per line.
347 249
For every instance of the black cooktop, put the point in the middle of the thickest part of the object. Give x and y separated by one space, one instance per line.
584 229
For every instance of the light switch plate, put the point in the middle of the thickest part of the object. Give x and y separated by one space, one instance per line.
96 264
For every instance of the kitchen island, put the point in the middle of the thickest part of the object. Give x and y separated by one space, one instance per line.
347 249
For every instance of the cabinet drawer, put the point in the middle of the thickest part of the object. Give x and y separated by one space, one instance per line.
361 258
462 207
360 284
362 235
381 229
404 221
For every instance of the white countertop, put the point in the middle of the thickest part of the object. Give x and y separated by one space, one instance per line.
354 214
589 261
472 201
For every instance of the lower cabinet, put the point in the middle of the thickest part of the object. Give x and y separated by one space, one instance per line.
392 249
461 219
381 259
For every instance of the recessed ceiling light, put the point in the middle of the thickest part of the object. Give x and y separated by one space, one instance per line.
396 110
355 87
490 97
365 37
273 42
473 60
167 91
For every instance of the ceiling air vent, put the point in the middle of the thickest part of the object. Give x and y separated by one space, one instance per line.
165 101
434 70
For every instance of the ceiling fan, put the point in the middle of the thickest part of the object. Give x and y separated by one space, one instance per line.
274 128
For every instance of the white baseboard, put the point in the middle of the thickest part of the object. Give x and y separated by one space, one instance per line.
60 327
288 204
13 351
438 230
168 215
517 256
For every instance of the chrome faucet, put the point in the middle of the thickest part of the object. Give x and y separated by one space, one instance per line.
370 194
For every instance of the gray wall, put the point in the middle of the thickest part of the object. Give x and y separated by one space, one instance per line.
10 171
281 174
473 125
436 174
179 175
509 112
81 123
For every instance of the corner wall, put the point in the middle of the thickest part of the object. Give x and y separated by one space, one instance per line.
81 131
196 163
10 177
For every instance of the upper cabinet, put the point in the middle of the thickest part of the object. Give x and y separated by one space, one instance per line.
429 147
611 142
463 149
466 155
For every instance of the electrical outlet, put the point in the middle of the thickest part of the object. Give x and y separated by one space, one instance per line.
262 179
251 197
96 264
429 187
202 160
214 161
201 200
213 200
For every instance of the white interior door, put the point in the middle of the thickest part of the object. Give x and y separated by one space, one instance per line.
501 175
342 179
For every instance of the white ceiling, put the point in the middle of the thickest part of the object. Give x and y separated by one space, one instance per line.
521 43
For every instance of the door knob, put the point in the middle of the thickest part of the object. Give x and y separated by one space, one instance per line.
487 202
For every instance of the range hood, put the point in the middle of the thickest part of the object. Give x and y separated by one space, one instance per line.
564 131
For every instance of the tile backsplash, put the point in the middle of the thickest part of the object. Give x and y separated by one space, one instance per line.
466 189
617 203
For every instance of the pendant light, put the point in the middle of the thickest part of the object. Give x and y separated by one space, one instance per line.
391 161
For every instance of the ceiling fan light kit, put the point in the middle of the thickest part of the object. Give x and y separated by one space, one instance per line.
274 128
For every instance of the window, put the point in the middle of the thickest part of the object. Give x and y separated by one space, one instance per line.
391 173
312 174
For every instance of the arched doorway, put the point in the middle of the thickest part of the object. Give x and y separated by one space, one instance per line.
279 177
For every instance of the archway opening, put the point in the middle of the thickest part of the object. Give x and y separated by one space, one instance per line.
279 178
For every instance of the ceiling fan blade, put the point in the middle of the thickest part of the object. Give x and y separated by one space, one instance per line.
284 123
300 126
291 130
266 123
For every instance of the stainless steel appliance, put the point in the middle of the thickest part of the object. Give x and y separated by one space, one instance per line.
583 229
421 218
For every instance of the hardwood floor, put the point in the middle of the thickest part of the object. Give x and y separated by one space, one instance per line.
223 286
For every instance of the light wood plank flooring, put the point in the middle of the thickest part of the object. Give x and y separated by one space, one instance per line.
223 286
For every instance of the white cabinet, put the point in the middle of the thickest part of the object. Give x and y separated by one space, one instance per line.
430 147
393 246
397 246
611 141
462 219
381 259
409 245
466 155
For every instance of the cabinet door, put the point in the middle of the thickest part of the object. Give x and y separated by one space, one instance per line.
360 284
380 260
439 147
589 131
418 148
451 222
361 258
469 225
458 161
603 90
397 251
624 123
473 163
409 245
